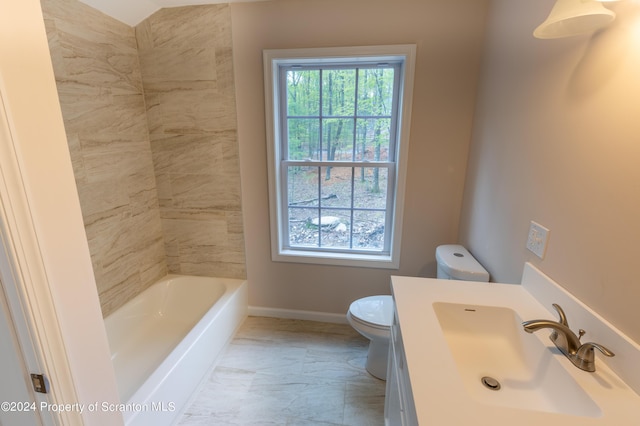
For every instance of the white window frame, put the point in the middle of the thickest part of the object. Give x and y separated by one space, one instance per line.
273 59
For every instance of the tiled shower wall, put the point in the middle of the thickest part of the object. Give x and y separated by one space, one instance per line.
95 61
187 73
97 68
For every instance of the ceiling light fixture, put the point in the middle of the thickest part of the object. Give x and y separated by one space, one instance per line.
573 17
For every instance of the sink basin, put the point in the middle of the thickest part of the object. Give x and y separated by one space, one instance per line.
489 341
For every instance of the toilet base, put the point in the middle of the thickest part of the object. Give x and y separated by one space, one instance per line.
377 358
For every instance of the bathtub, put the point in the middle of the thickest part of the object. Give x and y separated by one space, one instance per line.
167 338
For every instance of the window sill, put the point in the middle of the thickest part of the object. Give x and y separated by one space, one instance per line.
334 259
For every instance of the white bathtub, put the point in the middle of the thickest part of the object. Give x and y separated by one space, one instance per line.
165 339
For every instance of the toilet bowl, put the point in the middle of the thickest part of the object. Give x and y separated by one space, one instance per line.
372 316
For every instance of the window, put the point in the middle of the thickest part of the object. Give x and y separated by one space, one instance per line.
337 126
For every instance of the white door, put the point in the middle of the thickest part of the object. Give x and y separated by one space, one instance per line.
17 403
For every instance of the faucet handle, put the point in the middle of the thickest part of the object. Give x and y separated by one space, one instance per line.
585 355
588 348
562 320
563 317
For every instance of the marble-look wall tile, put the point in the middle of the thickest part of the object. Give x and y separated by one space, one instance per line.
201 111
187 74
97 71
151 125
186 27
195 64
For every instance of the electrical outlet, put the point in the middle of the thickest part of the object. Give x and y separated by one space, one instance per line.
537 240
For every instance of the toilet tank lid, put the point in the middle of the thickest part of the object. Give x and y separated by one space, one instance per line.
457 262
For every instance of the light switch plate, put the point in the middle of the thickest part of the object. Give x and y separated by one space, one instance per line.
537 240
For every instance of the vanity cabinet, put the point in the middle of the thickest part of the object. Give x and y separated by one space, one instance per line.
399 408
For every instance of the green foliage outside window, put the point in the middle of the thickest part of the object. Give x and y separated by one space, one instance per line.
339 114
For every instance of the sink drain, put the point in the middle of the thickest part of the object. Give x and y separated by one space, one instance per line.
490 383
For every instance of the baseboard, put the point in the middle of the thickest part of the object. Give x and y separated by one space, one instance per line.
259 311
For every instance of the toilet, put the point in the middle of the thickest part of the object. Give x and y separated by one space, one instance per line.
372 316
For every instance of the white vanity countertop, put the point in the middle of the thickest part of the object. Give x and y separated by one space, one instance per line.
438 391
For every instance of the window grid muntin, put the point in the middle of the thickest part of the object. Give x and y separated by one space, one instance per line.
283 69
285 162
320 208
286 243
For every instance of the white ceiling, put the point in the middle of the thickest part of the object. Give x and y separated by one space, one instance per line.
132 12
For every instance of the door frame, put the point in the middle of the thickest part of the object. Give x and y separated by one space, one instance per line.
22 356
52 290
30 305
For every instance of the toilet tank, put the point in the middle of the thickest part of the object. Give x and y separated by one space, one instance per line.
456 263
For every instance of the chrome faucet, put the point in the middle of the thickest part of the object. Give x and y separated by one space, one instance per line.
581 355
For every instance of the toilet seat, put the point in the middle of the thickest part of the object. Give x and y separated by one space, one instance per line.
373 311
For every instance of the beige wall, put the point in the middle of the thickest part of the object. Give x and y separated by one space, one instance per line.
100 89
556 141
187 71
448 34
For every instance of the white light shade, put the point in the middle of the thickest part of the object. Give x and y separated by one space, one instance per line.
573 17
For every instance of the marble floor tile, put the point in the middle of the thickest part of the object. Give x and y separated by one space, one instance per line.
290 372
